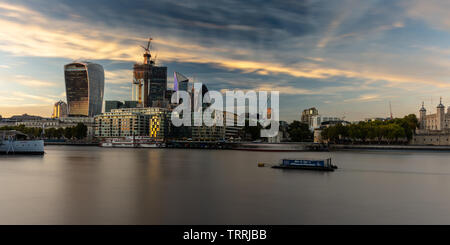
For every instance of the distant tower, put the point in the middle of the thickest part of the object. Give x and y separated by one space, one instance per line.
440 115
180 82
422 117
60 109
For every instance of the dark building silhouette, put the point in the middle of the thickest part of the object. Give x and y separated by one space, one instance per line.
158 85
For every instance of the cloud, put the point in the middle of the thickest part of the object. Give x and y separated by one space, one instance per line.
122 76
364 98
33 83
433 12
33 97
316 49
46 37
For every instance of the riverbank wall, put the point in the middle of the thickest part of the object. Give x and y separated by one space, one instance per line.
337 147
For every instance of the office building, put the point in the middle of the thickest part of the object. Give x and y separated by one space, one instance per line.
180 82
154 81
59 109
85 82
158 85
317 120
115 104
307 115
149 121
228 132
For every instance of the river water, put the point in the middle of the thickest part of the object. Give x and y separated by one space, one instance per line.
92 185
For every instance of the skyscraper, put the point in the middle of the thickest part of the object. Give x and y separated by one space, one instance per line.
307 115
180 82
59 109
85 83
158 85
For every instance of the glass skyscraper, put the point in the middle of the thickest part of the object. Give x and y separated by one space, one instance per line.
180 82
85 83
158 85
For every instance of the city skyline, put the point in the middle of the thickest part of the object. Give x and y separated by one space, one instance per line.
346 58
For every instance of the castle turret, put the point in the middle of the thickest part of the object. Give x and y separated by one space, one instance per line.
440 116
422 117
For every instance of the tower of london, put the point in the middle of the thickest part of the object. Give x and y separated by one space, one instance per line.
434 129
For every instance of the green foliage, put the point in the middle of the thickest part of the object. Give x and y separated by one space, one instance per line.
33 132
78 132
299 132
377 131
252 132
68 133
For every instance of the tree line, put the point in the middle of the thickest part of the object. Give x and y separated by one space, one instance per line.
77 132
298 132
396 130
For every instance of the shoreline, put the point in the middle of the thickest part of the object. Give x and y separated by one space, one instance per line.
291 147
389 147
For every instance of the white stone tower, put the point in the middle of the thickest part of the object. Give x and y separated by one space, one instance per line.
440 116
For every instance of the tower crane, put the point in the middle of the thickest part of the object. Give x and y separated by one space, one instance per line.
147 60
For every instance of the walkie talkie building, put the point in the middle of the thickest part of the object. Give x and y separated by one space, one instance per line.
85 83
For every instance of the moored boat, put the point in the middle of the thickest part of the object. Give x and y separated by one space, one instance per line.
132 142
15 142
307 164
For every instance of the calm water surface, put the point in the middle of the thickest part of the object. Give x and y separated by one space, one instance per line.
91 185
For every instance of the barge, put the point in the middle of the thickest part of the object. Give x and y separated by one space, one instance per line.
307 164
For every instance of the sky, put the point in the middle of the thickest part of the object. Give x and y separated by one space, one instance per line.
346 58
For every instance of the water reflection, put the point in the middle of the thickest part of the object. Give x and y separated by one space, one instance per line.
91 185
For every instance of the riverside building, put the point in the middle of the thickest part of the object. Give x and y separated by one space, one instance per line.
125 122
434 129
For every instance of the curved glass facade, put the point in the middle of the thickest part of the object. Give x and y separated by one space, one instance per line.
85 84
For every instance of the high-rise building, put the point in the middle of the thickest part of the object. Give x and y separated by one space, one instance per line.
141 78
115 104
307 115
60 109
112 104
180 82
150 77
85 83
158 85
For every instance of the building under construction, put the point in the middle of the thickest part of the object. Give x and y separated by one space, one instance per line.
149 81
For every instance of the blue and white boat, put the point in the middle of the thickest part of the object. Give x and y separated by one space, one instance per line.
307 164
15 142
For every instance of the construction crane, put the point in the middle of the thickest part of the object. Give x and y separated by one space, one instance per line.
147 54
139 77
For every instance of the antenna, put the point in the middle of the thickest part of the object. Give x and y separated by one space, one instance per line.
390 109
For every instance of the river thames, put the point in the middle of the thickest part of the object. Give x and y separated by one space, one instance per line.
93 185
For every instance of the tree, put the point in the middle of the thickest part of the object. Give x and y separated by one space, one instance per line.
68 133
253 131
79 131
299 132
